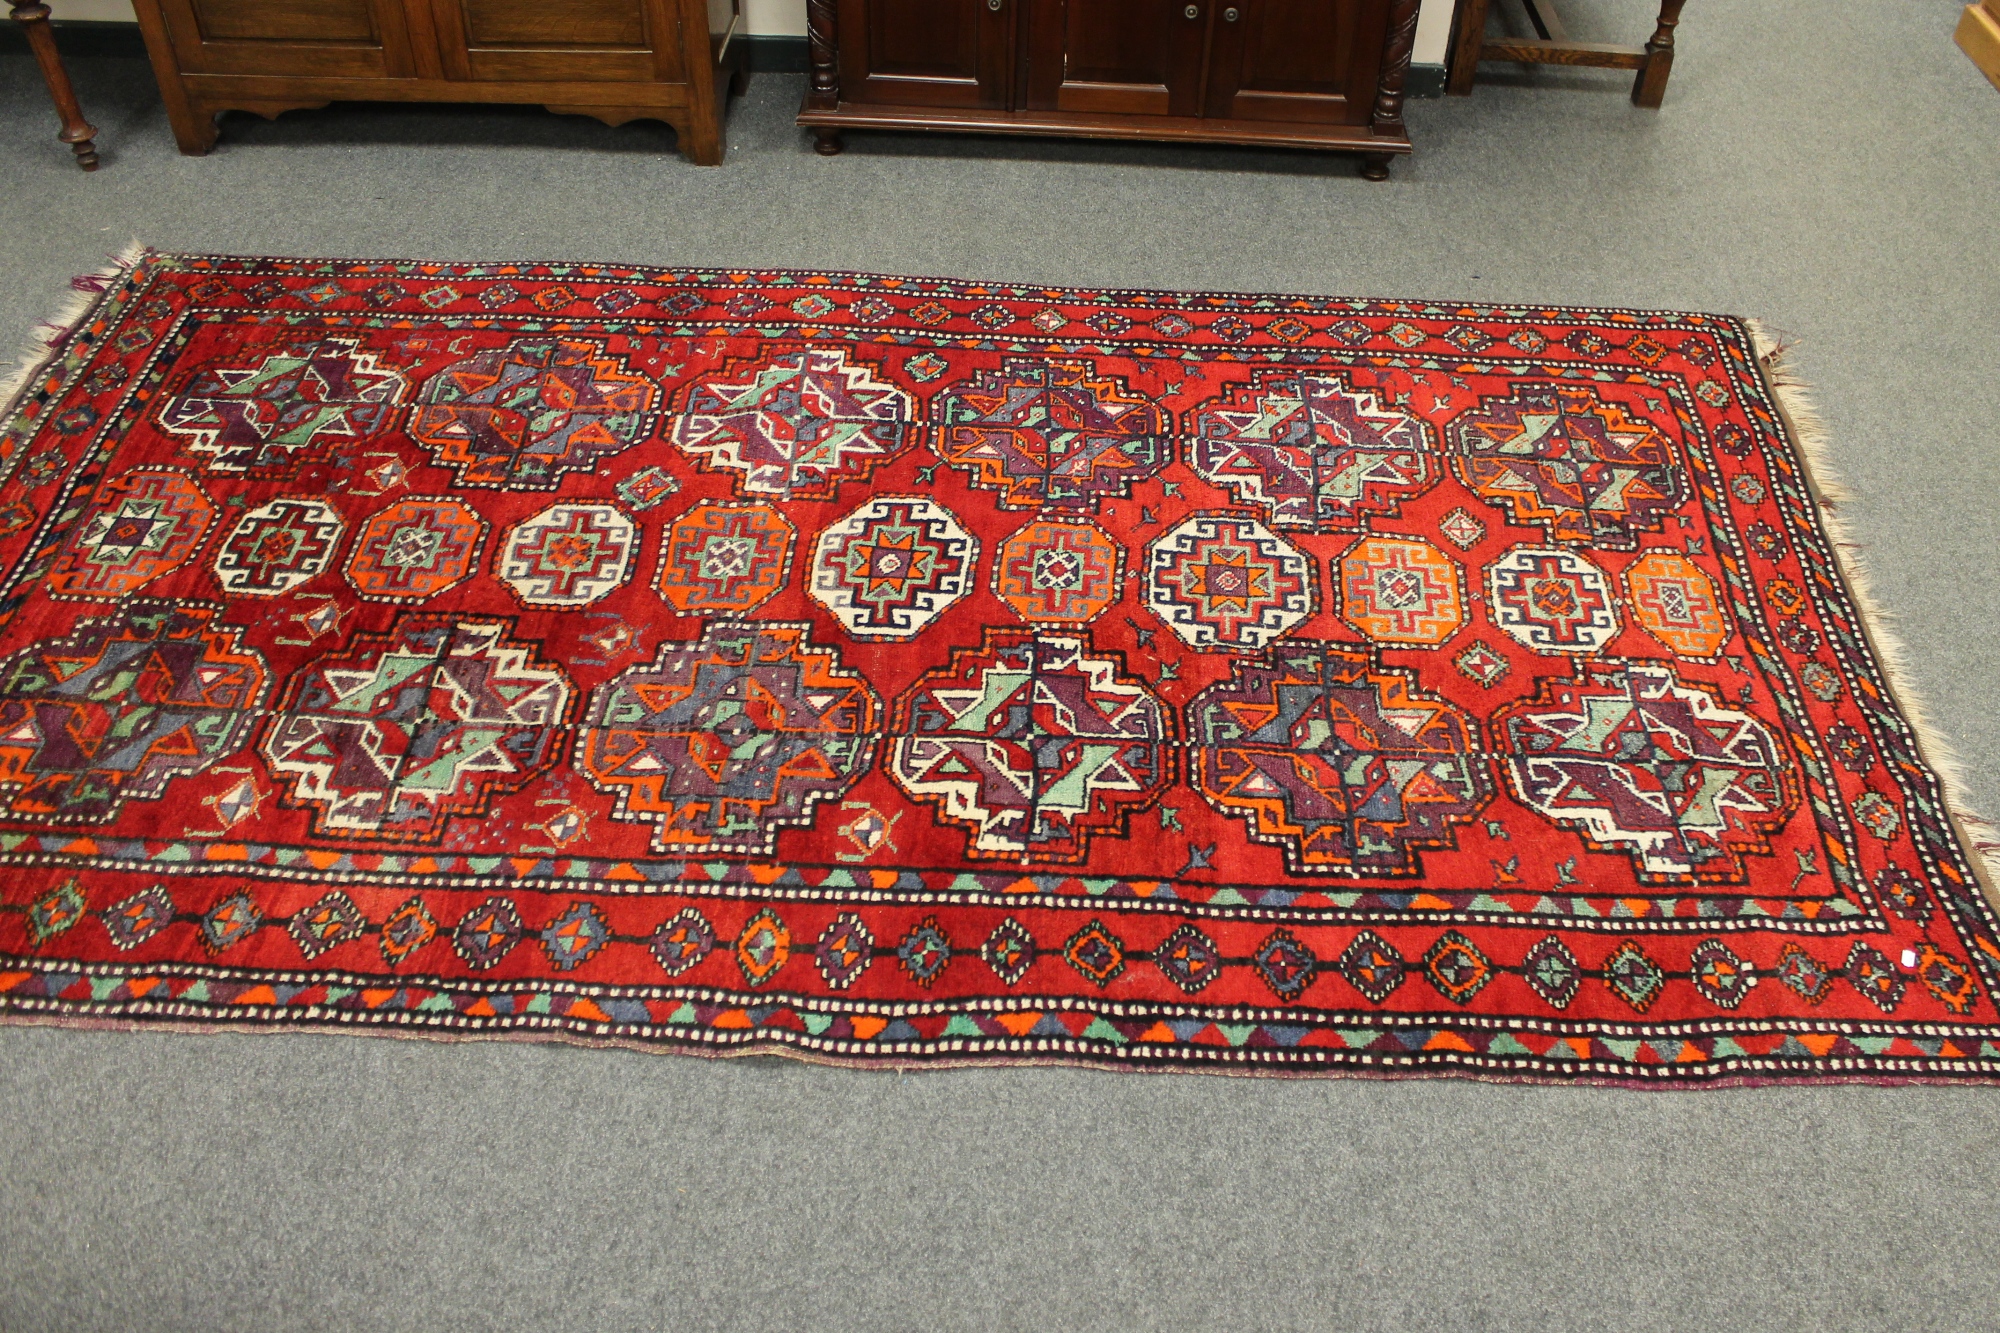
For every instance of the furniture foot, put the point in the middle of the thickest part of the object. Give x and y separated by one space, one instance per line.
1650 88
827 142
1375 167
739 81
76 131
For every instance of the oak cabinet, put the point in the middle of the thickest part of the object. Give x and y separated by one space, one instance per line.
1297 73
617 60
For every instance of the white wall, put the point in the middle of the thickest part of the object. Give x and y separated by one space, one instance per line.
787 18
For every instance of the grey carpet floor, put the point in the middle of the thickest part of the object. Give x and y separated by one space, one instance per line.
1831 168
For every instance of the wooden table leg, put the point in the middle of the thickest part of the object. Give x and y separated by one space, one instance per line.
76 132
1650 89
1468 35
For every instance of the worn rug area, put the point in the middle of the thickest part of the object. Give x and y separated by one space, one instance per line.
896 671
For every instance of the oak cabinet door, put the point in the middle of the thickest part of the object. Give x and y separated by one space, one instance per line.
361 39
1304 61
936 53
1122 57
590 41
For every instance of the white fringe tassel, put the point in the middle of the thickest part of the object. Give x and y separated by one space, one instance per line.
1980 837
52 335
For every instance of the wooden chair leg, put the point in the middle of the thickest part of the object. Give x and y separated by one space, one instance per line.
1650 88
76 131
1468 35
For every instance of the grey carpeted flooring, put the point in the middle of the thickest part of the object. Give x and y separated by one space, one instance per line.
1832 168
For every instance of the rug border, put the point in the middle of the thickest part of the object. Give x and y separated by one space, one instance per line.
1803 429
1807 432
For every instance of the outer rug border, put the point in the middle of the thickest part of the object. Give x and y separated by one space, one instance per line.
1803 427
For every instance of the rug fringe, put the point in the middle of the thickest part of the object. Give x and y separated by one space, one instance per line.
51 335
1815 448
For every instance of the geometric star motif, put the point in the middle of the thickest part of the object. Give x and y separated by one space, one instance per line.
394 734
1640 762
1550 600
1674 600
415 549
1401 591
522 416
268 415
795 424
279 546
890 568
1562 459
1059 571
1044 433
139 526
568 555
724 559
1312 451
1224 582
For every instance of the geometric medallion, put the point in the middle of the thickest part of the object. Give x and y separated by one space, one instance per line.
1343 765
1062 571
1401 591
568 555
1188 958
138 526
121 705
1639 762
333 920
1312 451
1551 600
278 547
394 734
893 566
725 741
1225 583
487 933
1673 599
415 548
521 416
1032 744
1372 966
1052 433
1563 460
268 414
135 920
795 424
724 559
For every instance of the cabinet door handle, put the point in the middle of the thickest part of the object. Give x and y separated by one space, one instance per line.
994 5
1229 15
1192 11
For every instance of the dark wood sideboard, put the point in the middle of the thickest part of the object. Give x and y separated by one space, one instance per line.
1292 73
616 60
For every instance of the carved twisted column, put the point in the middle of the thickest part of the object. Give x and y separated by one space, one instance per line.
822 47
1387 118
76 131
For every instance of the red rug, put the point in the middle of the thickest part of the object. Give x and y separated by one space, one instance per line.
885 670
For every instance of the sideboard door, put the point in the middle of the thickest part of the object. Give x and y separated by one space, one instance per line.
1312 62
1122 57
936 53
589 41
356 39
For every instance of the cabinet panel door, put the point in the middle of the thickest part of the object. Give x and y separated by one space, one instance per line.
1308 61
1124 57
944 53
364 39
591 41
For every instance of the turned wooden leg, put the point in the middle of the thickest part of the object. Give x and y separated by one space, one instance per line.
1375 167
827 141
76 131
1650 88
